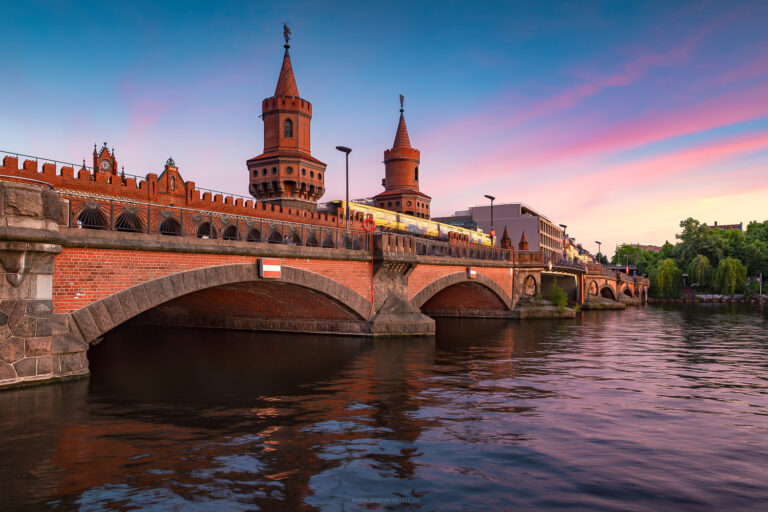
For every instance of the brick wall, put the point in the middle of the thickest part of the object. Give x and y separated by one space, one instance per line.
85 275
155 190
424 275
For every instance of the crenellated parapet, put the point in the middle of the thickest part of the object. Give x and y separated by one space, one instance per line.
157 189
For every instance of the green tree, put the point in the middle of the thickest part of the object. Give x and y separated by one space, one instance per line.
730 276
668 279
755 257
691 239
558 297
700 271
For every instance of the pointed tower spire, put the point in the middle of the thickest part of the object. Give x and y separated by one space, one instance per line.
286 83
401 137
523 245
506 242
401 171
286 174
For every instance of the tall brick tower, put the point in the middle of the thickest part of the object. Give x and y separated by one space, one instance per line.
286 173
401 184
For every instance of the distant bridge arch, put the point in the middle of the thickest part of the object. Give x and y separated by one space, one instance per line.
443 283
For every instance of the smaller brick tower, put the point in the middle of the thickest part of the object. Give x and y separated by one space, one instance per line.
523 245
506 242
286 173
401 184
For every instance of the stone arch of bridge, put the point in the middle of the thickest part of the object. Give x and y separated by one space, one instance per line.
608 292
103 315
627 290
432 289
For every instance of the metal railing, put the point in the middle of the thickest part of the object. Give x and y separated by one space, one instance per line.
409 244
566 264
88 212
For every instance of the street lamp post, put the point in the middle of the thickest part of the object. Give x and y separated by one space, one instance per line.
346 151
565 238
599 252
493 233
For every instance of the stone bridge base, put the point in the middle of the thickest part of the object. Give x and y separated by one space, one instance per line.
600 303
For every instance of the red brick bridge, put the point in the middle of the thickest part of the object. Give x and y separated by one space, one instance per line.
67 285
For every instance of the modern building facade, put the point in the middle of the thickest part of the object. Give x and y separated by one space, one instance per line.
517 219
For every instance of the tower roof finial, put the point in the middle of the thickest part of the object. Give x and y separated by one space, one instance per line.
401 137
286 35
286 83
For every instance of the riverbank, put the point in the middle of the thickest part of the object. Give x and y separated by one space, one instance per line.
706 300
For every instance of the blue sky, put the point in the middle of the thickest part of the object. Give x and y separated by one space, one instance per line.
616 118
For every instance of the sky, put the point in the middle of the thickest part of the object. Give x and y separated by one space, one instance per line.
618 119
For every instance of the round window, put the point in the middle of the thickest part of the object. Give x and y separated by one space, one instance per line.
311 174
289 170
409 203
303 172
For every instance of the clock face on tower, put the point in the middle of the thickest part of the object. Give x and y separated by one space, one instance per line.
105 165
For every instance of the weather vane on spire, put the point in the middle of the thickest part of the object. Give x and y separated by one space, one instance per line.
286 32
401 102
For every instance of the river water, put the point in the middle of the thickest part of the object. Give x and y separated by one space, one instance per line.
653 408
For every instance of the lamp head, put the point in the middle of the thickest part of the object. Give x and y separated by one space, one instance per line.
344 149
490 197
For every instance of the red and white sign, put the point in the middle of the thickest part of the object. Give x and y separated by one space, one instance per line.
269 268
471 273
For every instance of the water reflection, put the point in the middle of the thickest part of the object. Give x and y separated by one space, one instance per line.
651 407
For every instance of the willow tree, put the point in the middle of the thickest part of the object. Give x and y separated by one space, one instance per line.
668 279
700 271
730 276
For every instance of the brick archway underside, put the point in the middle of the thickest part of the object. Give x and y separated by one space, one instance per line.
457 291
235 293
608 292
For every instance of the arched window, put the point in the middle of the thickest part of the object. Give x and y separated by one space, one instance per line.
416 174
289 170
173 183
288 129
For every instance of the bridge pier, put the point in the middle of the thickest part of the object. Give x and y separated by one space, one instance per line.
29 241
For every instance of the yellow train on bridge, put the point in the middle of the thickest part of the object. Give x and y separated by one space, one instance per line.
388 220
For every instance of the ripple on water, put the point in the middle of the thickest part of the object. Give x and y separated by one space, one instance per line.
651 408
